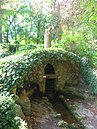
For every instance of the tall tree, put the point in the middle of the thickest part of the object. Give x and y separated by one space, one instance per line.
1 2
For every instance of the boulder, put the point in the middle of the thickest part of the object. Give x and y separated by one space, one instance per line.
24 102
62 124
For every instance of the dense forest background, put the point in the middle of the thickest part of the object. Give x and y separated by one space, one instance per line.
73 25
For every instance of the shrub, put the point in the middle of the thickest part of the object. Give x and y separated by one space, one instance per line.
8 116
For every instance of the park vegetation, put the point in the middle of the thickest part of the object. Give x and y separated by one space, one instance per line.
22 27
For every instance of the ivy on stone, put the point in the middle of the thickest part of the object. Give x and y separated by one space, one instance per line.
14 70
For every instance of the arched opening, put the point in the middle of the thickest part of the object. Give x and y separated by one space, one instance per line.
50 82
49 69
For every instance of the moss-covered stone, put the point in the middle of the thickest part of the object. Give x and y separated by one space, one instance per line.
70 71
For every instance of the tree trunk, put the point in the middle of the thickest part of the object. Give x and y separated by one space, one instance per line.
38 31
7 36
0 34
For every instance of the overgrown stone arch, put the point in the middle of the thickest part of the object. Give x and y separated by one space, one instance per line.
30 67
14 71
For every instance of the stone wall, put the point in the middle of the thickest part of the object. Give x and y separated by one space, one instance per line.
68 81
68 78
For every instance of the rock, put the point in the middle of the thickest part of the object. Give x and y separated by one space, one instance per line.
16 97
76 91
19 111
58 115
89 126
81 117
62 123
24 102
61 97
26 106
74 126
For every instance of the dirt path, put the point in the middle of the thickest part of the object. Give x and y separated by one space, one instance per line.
44 117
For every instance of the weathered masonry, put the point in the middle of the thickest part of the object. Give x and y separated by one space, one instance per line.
55 75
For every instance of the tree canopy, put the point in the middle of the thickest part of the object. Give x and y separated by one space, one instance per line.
73 24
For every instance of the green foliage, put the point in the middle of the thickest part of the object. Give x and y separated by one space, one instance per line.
89 75
22 23
78 42
27 47
80 30
8 116
75 42
8 48
4 51
16 69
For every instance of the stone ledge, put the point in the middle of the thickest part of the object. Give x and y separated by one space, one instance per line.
76 92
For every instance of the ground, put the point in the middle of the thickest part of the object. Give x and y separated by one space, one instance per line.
44 117
86 110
